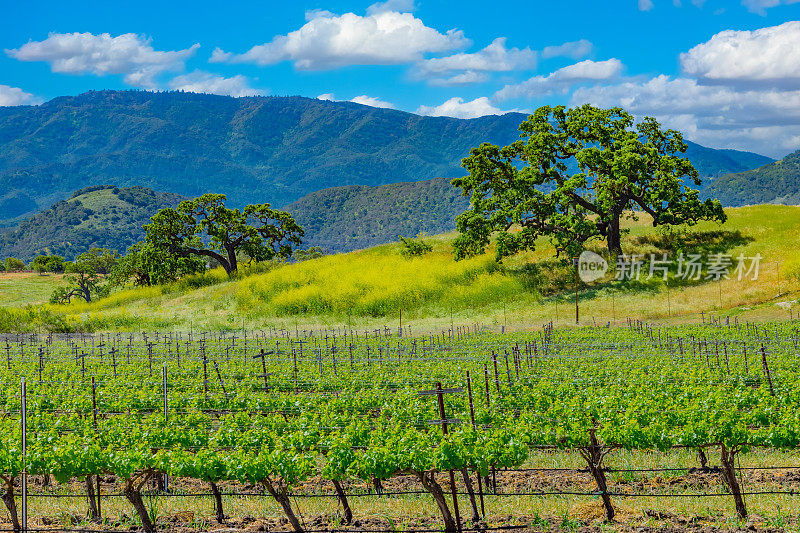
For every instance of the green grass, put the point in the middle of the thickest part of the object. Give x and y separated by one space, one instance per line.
20 289
371 288
97 200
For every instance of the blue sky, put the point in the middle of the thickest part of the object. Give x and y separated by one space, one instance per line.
723 72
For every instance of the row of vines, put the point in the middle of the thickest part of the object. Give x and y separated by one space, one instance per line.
274 409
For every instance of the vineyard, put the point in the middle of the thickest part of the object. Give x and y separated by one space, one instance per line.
391 430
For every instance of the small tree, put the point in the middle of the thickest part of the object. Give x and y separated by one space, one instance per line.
85 276
146 265
573 176
14 265
204 227
48 263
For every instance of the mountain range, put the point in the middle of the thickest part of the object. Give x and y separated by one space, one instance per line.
352 175
254 149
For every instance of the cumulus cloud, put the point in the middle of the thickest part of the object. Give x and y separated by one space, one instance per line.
761 6
765 120
645 5
208 83
330 41
767 56
562 79
10 96
573 49
494 58
128 54
371 101
464 78
456 107
402 6
326 96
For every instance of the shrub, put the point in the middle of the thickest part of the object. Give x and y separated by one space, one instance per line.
304 255
14 265
415 247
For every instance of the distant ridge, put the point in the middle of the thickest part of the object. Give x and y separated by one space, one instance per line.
774 183
102 216
254 149
342 219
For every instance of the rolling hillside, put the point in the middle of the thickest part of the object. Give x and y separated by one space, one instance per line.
369 288
254 149
104 216
774 183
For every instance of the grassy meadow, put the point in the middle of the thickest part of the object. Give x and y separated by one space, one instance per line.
373 287
18 289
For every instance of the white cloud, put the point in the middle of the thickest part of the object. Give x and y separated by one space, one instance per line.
464 78
765 121
494 58
10 96
761 6
573 49
562 79
326 96
402 6
330 41
645 5
456 107
128 54
208 83
371 101
767 56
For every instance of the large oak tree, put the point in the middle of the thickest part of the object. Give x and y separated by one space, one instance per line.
572 176
204 227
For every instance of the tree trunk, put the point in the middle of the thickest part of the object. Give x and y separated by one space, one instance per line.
135 497
476 516
429 483
378 486
283 499
11 505
594 458
703 459
348 513
233 263
613 236
729 476
93 513
217 502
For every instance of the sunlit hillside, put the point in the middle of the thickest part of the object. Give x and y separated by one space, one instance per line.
374 287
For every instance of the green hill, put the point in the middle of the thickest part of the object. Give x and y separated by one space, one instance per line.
775 183
341 219
104 216
254 149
